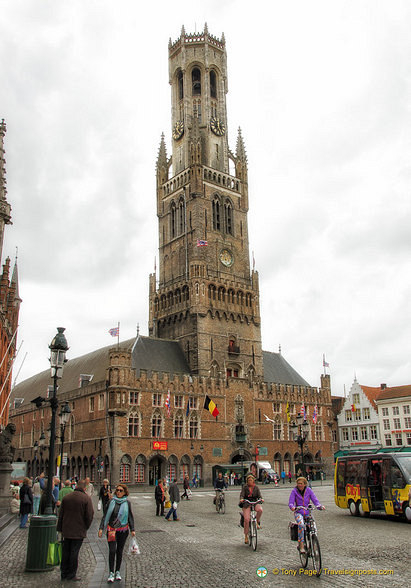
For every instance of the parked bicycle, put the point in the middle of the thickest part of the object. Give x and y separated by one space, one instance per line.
220 502
252 529
311 543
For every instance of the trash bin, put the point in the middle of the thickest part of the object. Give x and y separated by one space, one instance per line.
42 531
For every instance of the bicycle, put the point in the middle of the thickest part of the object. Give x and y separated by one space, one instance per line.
252 529
221 502
311 543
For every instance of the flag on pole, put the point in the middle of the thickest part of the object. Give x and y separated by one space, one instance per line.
168 403
211 407
202 243
315 414
115 331
188 407
302 411
287 412
325 363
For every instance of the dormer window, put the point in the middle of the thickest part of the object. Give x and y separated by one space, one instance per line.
85 380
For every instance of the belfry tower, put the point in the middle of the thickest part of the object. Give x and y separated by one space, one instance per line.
206 297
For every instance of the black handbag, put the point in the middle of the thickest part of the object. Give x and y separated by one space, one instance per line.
293 531
26 499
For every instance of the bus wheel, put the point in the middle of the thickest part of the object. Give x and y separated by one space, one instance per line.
363 513
353 508
407 513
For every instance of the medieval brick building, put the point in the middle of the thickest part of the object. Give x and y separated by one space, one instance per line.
9 297
138 408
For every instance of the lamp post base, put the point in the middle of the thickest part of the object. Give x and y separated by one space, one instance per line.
42 532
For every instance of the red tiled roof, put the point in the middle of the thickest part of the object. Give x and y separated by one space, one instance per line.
372 394
394 392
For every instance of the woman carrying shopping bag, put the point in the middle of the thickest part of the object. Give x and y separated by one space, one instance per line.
119 521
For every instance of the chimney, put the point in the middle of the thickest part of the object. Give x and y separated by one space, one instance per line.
383 386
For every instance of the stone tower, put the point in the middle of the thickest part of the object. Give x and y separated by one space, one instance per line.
206 296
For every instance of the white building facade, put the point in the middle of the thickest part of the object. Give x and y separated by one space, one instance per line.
358 421
394 411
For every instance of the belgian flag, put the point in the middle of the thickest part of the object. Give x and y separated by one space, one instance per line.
210 406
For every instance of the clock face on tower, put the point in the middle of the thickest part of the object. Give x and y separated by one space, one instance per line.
178 130
226 257
217 126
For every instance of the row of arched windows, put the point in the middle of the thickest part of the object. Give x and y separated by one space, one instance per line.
179 296
222 216
230 295
196 83
183 427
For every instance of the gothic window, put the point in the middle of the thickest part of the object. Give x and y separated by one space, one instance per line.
228 217
173 220
178 427
216 215
193 428
213 84
277 431
180 85
211 291
139 469
181 219
196 81
133 425
156 425
125 467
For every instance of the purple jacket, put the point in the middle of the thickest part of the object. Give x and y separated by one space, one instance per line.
297 499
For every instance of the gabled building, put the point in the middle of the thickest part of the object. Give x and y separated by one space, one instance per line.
394 411
139 414
358 421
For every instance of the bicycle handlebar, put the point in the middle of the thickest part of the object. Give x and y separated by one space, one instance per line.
309 507
252 501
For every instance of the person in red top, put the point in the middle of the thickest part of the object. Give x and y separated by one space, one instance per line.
251 492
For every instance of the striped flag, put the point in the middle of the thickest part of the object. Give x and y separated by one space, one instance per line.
168 403
302 411
202 243
211 407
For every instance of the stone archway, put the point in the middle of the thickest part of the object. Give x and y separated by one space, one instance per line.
156 469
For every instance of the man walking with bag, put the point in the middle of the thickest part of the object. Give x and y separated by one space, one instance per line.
175 499
75 517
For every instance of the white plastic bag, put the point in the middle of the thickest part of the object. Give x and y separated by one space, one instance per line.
174 505
134 548
99 505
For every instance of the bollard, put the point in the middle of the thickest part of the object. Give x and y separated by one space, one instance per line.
42 531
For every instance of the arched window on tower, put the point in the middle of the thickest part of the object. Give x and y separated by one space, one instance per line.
181 217
228 217
180 85
213 84
196 81
173 221
216 215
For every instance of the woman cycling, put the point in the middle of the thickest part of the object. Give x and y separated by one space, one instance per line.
251 492
301 495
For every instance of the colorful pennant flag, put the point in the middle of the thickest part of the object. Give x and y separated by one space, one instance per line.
325 363
114 332
353 409
211 407
287 412
302 411
202 243
315 414
168 403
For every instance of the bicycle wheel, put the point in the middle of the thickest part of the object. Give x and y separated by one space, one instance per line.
218 505
304 556
316 554
253 534
222 506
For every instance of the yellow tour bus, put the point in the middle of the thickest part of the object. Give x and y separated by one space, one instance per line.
381 481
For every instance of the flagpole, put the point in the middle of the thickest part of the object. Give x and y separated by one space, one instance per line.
118 336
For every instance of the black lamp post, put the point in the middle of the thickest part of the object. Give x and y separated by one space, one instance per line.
300 430
58 348
64 417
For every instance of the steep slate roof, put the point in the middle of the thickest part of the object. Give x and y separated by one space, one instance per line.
372 394
95 362
158 355
394 392
279 371
148 353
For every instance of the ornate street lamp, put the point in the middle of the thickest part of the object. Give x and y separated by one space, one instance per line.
64 417
300 430
58 348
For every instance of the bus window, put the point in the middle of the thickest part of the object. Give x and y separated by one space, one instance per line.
397 479
341 478
352 472
374 476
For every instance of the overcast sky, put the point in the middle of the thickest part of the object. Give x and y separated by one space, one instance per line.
321 91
